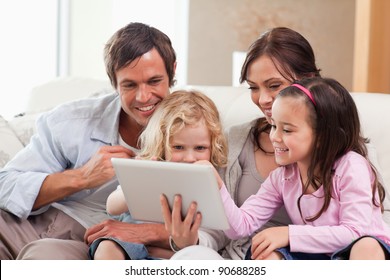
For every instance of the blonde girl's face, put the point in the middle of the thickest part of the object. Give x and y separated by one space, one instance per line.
265 82
191 144
291 134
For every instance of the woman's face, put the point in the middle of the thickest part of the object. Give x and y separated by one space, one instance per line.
265 81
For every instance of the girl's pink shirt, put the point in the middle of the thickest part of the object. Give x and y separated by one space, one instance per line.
350 214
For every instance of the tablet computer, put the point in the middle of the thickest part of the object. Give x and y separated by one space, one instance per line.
143 181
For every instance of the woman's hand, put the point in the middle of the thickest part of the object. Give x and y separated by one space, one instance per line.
268 240
183 232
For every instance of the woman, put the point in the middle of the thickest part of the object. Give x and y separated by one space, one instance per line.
274 61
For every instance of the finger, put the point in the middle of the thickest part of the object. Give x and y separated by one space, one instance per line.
130 154
166 212
197 222
91 231
86 236
93 236
118 150
203 162
258 252
114 149
266 252
255 253
189 219
176 211
256 241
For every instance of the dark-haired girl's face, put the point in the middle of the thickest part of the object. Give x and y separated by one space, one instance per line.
292 135
265 82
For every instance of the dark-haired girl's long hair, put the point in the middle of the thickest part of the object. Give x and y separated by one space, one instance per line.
335 120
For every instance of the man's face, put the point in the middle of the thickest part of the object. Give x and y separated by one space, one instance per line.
142 85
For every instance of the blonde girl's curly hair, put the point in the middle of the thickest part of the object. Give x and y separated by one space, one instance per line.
177 110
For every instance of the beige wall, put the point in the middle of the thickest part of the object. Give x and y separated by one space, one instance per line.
379 53
219 27
372 46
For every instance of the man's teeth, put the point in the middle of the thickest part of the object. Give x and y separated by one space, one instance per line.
147 108
281 150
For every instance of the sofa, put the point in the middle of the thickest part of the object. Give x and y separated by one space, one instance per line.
234 104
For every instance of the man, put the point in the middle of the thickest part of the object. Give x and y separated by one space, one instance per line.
58 185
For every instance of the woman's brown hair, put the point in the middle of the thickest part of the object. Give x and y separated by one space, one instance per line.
291 54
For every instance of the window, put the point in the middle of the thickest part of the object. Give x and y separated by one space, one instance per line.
43 39
28 52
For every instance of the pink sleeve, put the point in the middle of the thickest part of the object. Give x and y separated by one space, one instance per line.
254 213
349 215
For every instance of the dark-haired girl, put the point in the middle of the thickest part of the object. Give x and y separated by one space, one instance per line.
325 180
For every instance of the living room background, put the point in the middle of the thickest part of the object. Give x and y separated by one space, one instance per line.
205 33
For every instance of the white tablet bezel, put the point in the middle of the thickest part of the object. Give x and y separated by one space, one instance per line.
143 181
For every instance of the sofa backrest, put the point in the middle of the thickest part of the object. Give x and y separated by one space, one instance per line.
234 103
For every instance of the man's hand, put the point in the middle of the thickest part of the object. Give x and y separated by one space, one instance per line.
97 171
145 233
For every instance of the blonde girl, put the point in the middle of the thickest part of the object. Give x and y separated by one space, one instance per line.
185 128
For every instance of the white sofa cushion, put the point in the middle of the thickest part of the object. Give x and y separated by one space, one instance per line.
234 103
24 126
61 90
9 144
373 111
